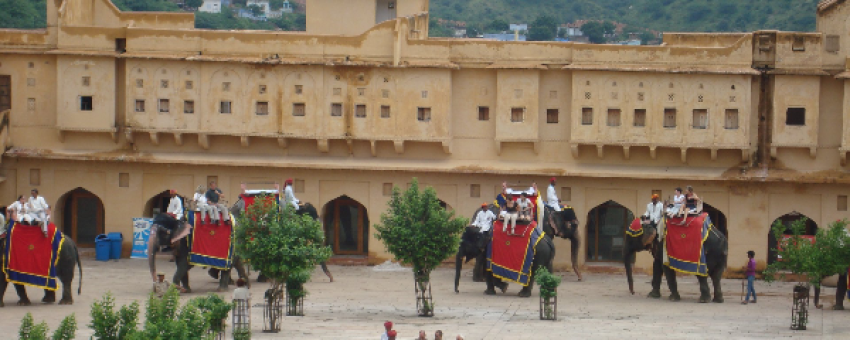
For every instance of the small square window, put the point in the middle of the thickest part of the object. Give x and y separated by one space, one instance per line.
586 116
387 189
424 94
224 107
86 103
35 176
140 105
700 98
30 104
640 96
799 44
566 194
795 116
299 109
385 93
86 81
31 65
475 190
732 99
299 89
225 86
298 186
262 108
337 91
842 203
163 106
700 119
552 116
640 118
385 111
336 109
189 106
30 81
671 97
613 117
731 119
517 114
124 180
423 114
669 118
163 84
262 89
360 111
361 91
189 84
833 43
483 113
140 83
587 95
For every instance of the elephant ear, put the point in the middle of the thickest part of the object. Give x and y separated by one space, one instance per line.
635 229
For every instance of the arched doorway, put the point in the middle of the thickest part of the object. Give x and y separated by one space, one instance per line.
82 216
445 205
787 220
718 218
346 224
159 204
606 230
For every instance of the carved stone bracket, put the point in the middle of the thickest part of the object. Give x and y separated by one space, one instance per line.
652 152
600 150
282 142
813 152
713 154
350 143
373 145
154 138
447 146
399 146
178 138
128 133
574 150
684 155
324 145
204 140
626 151
245 141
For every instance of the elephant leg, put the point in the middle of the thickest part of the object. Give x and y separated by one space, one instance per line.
716 276
657 273
3 286
240 270
224 280
817 298
526 291
327 271
214 273
23 299
458 267
49 296
704 291
840 293
488 277
262 278
478 271
575 243
181 275
670 275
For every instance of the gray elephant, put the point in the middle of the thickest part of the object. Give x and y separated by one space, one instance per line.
162 236
716 248
69 258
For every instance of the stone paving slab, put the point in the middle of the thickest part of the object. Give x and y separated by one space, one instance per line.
361 299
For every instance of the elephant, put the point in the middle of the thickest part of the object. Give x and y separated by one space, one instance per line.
161 236
305 209
69 258
473 244
716 248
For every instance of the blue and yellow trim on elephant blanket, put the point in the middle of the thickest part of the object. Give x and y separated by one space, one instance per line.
207 247
517 271
29 258
684 243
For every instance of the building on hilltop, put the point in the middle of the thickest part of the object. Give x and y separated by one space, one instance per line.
106 114
211 6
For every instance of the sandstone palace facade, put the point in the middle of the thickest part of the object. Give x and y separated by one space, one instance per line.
104 110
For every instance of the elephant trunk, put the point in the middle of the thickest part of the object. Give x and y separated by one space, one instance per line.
627 261
458 265
153 244
80 266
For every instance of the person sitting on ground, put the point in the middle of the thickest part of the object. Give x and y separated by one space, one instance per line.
388 326
214 197
691 201
422 336
38 210
161 285
438 335
289 195
201 205
678 203
484 219
524 207
511 213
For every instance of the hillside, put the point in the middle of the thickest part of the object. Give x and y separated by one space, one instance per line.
660 15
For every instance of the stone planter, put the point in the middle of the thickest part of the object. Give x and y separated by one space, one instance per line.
273 311
549 308
424 302
800 308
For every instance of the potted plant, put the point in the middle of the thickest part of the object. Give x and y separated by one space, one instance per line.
548 283
419 233
215 311
295 293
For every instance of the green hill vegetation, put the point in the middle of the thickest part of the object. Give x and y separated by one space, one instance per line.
491 15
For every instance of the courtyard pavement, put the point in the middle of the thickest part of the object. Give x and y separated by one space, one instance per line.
361 298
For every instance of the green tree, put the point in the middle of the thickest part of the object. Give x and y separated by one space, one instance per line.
194 3
279 243
275 5
420 233
497 25
646 37
544 28
256 10
594 32
472 31
828 255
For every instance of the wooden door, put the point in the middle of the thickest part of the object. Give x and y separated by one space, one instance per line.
86 218
5 93
348 224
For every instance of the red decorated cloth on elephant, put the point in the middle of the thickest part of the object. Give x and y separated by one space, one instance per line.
250 199
684 243
211 244
635 229
30 258
510 257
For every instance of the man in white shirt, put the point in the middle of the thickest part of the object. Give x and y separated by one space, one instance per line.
525 206
653 211
17 210
38 210
175 206
214 195
289 195
552 199
484 219
202 206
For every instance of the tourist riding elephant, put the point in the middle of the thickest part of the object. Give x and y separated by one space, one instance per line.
68 259
716 248
305 209
161 236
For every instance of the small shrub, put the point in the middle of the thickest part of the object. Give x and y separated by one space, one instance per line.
242 333
548 289
31 331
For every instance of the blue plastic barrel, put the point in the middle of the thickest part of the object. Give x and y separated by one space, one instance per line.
102 246
115 240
